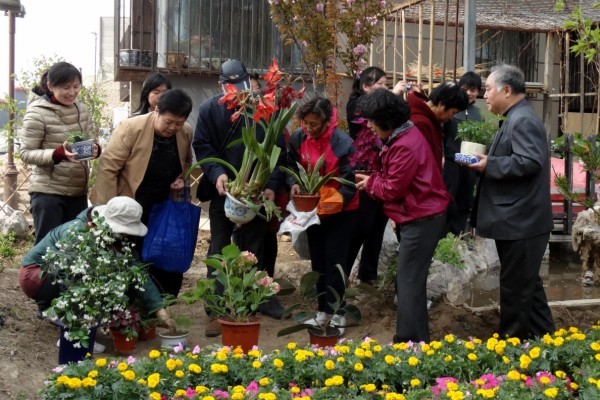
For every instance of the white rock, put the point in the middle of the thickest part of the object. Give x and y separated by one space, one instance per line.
12 221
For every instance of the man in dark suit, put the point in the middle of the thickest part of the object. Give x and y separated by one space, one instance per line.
513 204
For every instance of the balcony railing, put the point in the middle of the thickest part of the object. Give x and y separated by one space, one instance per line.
190 36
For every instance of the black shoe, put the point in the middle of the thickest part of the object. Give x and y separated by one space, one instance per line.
272 308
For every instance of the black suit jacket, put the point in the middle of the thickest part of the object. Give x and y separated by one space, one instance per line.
514 190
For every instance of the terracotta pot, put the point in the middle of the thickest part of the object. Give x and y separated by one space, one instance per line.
318 338
121 344
243 334
306 202
147 333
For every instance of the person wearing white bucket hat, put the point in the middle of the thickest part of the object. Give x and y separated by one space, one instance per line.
123 216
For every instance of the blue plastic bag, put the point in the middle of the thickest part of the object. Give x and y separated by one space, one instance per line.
172 234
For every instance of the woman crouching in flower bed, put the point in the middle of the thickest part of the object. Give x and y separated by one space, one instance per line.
565 365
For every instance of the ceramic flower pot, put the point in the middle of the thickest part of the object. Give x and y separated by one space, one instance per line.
72 352
84 149
471 148
120 342
237 211
318 338
305 202
243 334
170 339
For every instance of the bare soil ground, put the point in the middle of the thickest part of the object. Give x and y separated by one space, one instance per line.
28 345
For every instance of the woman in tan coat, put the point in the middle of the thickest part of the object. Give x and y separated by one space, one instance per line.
58 188
145 159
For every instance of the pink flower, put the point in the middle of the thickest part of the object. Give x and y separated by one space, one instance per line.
360 49
350 2
489 381
178 348
442 384
542 374
252 389
220 394
382 4
196 350
320 7
189 393
130 360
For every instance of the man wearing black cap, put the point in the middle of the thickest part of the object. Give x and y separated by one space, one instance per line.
214 131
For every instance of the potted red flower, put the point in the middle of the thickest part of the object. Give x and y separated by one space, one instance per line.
124 326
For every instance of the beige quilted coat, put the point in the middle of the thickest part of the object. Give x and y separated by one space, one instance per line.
45 127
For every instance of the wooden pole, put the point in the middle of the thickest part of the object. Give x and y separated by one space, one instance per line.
394 78
384 44
431 43
403 45
445 39
581 89
420 44
456 39
567 79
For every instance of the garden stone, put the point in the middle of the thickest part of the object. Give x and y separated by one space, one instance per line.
13 221
586 242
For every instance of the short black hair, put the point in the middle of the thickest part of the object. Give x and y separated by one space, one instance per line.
176 102
387 110
450 95
471 80
317 105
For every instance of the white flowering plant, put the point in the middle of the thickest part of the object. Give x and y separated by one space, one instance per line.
94 268
244 287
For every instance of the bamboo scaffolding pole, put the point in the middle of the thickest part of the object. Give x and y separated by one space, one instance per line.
384 43
431 43
581 89
445 39
456 40
420 46
395 46
567 82
403 45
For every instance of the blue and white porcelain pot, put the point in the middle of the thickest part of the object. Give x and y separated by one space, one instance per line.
237 211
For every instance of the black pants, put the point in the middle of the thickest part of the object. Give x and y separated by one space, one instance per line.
460 183
52 210
524 311
251 234
328 244
367 232
417 244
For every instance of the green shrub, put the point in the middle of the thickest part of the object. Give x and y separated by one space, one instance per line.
448 251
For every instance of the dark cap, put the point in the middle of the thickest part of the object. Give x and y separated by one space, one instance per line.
234 72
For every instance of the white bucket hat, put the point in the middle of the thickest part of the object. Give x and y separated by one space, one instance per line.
123 215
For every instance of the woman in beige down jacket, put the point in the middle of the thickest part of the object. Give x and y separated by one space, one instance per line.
145 159
58 187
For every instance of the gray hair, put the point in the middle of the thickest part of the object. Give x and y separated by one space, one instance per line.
509 75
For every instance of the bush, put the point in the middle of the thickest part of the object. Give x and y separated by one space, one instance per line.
448 251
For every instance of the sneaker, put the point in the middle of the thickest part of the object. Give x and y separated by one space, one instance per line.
319 319
338 321
213 328
272 308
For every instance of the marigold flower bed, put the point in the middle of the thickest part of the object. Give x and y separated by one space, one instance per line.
561 366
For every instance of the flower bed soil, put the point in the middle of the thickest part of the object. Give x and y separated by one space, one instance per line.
28 349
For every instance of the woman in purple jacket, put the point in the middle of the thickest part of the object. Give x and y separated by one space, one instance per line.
414 196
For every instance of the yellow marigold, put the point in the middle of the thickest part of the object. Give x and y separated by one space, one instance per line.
448 358
256 364
574 386
514 341
221 356
597 357
237 396
560 374
264 381
551 392
340 360
62 380
400 346
413 361
469 346
291 345
450 338
578 336
101 362
122 366
415 382
505 360
486 393
430 352
451 386
295 389
335 380
155 396
179 374
171 364
477 341
88 382
208 398
237 350
74 383
153 380
370 388
267 396
358 367
377 348
368 354
559 341
129 375
92 374
491 343
278 363
180 393
178 362
544 380
201 389
425 347
394 396
524 361
360 353
254 353
195 368
535 352
436 345
320 353
344 349
514 375
472 356
329 365
560 332
154 354
389 359
365 344
547 339
142 382
595 346
456 395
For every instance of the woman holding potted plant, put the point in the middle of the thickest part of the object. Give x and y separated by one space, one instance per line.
329 240
414 196
58 189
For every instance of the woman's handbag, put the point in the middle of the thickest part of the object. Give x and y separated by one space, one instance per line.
172 233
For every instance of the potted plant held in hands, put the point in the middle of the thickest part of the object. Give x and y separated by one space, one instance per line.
323 331
80 143
476 135
310 182
244 289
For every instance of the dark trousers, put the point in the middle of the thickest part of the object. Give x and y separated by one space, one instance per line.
251 234
524 311
367 232
460 183
417 244
328 244
52 210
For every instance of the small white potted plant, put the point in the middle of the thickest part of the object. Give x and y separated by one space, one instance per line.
476 136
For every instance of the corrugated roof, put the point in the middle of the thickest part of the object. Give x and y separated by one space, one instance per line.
523 15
